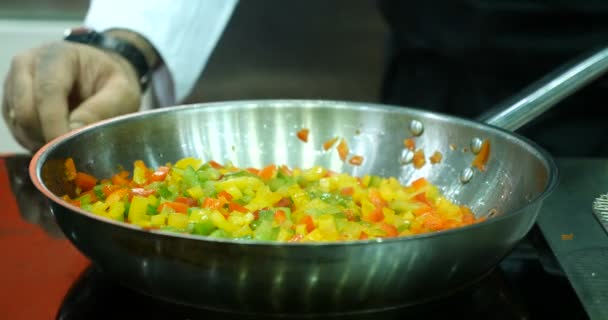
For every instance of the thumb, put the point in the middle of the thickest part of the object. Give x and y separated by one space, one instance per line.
115 98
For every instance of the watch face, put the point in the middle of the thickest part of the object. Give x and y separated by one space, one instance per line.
80 34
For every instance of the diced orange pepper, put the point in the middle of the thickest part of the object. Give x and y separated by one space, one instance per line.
436 157
303 134
253 170
376 198
268 172
433 221
481 159
348 191
307 220
109 188
117 179
343 149
422 210
224 194
419 183
389 229
280 216
356 160
85 181
233 206
329 143
375 215
419 160
363 236
212 203
70 169
409 143
215 165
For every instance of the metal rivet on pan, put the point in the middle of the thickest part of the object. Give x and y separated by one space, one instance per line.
476 145
406 156
466 175
416 127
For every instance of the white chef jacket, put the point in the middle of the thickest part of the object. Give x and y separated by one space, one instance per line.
184 32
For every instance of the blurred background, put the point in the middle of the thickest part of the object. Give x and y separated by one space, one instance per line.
313 49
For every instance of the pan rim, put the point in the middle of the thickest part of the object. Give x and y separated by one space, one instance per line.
35 166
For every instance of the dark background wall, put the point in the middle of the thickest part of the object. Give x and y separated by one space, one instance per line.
297 49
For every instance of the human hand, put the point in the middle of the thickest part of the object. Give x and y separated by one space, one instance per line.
61 86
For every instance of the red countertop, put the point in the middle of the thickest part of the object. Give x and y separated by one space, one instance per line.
37 265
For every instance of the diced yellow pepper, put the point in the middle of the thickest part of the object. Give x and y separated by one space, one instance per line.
138 208
185 162
177 220
219 221
158 220
196 192
116 211
327 227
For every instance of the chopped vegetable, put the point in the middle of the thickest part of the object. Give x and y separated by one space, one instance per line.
275 203
329 143
356 160
410 144
419 160
481 159
343 149
303 135
436 157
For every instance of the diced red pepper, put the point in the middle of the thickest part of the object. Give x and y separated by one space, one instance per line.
160 174
176 206
285 202
142 192
187 201
363 236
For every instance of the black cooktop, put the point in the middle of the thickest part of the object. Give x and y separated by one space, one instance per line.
528 284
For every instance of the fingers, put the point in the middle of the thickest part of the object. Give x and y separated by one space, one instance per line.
116 97
53 82
18 106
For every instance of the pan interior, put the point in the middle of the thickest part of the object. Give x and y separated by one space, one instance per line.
258 133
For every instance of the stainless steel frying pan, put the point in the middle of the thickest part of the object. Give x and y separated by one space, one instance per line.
253 276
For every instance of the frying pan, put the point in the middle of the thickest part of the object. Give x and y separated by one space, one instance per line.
294 278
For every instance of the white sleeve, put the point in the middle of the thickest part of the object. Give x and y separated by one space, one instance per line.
184 32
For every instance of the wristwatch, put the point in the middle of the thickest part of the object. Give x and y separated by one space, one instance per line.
122 47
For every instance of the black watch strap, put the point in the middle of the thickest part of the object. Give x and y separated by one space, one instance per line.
119 46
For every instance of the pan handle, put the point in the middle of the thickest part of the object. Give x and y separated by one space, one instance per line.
547 92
